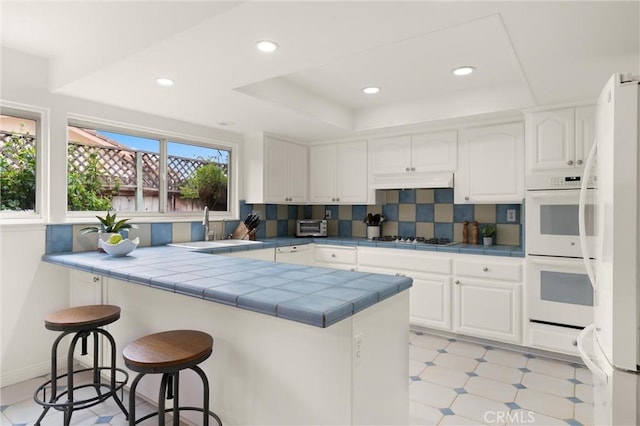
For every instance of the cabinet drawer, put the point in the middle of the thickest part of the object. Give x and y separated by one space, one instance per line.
346 255
489 270
405 261
552 338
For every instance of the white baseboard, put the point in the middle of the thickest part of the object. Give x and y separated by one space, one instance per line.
12 377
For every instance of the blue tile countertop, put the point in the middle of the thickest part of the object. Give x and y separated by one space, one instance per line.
311 295
495 250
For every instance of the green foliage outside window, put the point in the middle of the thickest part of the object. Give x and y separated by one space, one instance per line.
85 190
18 172
206 184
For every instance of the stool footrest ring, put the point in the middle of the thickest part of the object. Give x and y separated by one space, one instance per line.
169 410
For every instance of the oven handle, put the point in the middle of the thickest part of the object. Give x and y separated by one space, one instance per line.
592 366
581 216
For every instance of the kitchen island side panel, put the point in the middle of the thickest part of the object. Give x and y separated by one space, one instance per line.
268 370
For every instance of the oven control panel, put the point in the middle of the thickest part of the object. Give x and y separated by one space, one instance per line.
558 182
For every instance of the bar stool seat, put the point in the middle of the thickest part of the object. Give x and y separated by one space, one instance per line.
168 353
84 321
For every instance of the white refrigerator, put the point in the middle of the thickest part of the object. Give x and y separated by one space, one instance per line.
611 346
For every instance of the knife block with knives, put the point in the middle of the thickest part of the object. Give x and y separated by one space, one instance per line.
247 229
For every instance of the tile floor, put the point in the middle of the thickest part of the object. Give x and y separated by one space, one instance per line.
452 382
455 382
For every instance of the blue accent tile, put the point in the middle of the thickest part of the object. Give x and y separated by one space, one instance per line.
574 399
524 370
265 300
245 209
415 378
59 238
358 212
161 234
390 212
447 411
462 212
575 381
407 196
443 230
315 310
471 374
292 212
345 228
442 351
230 226
283 228
360 298
228 294
262 232
197 231
512 405
501 212
272 211
333 210
424 212
430 363
460 391
407 229
443 195
481 360
104 419
308 212
573 422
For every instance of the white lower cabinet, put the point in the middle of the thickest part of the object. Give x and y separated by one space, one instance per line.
298 255
337 257
488 298
261 254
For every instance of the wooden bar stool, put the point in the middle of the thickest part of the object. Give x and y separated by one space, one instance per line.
168 353
84 321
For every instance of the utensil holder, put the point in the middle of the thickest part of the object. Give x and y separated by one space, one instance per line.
373 232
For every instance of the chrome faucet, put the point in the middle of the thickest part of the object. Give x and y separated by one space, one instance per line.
205 223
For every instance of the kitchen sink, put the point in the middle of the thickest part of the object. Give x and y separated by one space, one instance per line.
199 245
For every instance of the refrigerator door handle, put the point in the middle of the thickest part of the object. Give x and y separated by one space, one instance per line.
592 366
581 216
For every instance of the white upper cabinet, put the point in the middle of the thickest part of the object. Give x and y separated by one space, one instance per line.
276 171
338 173
491 165
559 139
434 152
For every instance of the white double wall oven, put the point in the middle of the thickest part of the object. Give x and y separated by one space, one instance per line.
559 292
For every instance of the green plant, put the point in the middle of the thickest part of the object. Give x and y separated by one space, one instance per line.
85 189
206 184
18 172
109 224
488 231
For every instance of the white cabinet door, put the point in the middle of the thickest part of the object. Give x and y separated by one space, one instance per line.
434 152
285 172
297 172
491 168
337 257
430 300
351 177
551 139
322 174
585 133
390 155
275 171
486 309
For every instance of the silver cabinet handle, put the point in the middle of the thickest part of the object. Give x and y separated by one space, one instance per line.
570 162
579 162
333 255
485 269
337 199
574 343
406 169
466 198
413 169
96 279
457 282
333 199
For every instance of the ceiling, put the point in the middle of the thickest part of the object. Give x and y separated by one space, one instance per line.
526 54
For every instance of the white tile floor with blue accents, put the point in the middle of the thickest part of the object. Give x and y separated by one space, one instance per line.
456 382
452 382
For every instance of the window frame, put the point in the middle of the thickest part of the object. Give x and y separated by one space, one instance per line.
164 137
41 116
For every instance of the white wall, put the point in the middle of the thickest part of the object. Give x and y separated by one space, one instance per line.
29 288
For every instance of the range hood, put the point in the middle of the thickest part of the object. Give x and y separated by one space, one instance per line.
413 181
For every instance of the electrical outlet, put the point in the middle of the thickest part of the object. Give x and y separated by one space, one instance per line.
357 347
327 214
511 215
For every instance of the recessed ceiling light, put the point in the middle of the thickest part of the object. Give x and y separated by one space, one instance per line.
164 81
371 90
466 70
266 46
